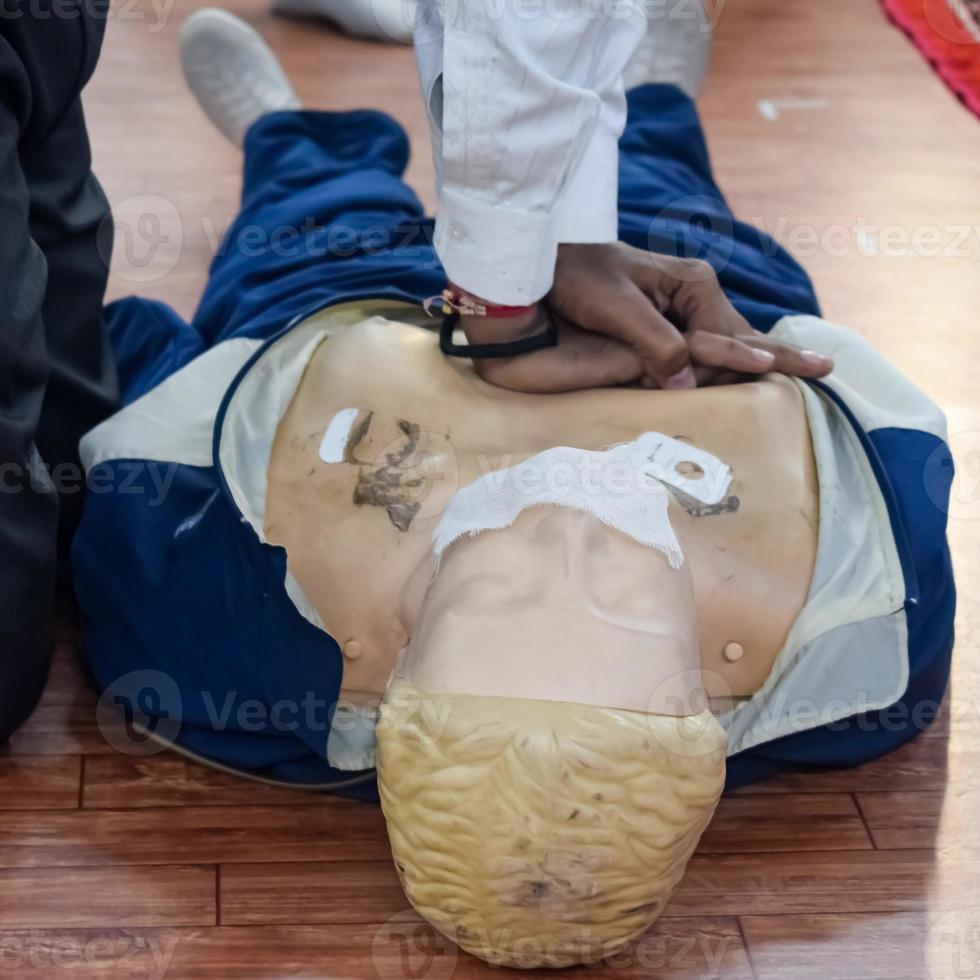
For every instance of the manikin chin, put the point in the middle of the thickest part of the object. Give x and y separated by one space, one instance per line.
546 757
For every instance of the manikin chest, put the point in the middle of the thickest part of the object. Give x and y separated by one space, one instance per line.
383 430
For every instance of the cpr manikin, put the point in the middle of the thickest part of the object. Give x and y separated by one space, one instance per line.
547 757
279 517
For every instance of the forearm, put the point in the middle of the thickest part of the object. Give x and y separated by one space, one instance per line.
526 115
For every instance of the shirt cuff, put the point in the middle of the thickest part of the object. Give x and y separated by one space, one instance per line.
499 254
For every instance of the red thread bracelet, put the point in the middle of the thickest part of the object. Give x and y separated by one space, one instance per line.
455 300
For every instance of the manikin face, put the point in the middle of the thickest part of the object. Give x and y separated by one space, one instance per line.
543 764
559 607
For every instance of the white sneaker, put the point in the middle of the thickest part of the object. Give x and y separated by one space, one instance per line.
676 49
232 72
376 20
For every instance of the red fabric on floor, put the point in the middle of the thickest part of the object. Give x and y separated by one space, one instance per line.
939 28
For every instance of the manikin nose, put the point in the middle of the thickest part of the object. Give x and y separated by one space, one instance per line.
563 532
563 526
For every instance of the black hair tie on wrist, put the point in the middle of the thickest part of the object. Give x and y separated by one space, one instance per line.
513 348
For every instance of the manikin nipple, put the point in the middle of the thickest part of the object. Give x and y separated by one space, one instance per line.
733 652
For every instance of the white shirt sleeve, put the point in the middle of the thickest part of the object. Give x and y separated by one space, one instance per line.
526 104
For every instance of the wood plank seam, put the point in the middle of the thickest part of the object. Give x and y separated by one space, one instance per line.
746 946
864 820
217 894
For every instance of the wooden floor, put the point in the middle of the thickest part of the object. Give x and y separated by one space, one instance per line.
112 866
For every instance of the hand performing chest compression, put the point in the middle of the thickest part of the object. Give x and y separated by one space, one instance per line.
626 316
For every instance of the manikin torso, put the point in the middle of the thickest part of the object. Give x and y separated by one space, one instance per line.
358 531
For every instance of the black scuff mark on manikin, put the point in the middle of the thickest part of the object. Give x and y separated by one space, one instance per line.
695 508
357 433
387 489
530 893
388 486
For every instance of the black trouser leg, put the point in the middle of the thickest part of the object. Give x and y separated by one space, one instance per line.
56 379
70 222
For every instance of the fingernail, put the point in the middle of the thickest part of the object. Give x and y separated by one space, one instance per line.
812 357
683 379
764 357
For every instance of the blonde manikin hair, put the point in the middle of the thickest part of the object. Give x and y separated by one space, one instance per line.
536 833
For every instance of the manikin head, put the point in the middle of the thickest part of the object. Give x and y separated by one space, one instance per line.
546 760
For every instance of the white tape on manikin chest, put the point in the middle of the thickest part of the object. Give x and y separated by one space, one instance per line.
683 467
623 487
